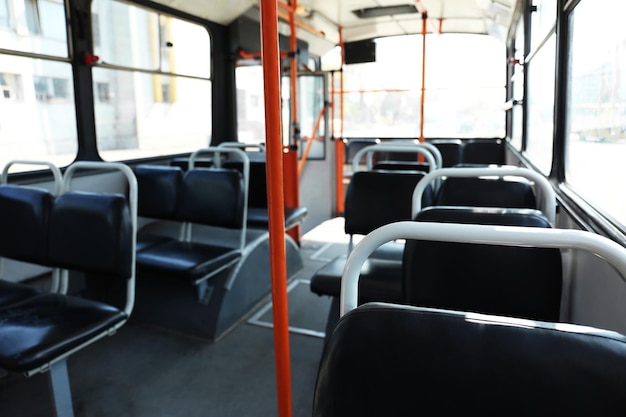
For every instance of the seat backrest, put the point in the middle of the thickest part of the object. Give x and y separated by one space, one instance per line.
451 151
213 197
24 216
375 198
486 192
505 280
484 151
392 360
92 232
158 189
257 193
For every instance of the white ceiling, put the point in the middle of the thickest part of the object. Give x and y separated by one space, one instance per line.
469 16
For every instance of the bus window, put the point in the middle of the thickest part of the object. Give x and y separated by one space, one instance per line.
542 21
4 14
311 97
152 90
539 120
382 99
517 125
34 27
596 140
250 104
37 111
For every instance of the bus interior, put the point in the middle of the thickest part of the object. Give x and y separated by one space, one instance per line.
264 203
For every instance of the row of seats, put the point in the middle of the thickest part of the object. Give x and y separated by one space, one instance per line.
257 208
86 234
392 359
173 204
453 151
375 198
211 197
202 248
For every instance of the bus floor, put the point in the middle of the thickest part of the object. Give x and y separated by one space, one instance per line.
143 371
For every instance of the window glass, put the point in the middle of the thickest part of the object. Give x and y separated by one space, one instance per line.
311 110
597 106
143 39
542 21
140 115
132 35
183 47
36 27
37 112
160 102
540 123
518 88
383 98
250 104
4 14
52 14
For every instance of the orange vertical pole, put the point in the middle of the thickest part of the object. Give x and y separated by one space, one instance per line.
339 145
292 185
424 21
274 153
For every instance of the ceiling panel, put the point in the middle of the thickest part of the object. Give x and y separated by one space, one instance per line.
471 16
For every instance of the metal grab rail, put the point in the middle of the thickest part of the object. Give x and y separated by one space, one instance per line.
433 158
56 172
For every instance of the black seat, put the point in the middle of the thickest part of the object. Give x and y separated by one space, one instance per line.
91 233
258 215
93 236
211 197
392 360
373 198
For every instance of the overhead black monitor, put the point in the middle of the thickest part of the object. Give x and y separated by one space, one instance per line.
360 51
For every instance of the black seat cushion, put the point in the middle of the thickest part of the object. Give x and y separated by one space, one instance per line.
380 280
42 328
391 360
259 217
187 260
484 215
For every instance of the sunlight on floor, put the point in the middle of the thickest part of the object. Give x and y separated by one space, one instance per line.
330 231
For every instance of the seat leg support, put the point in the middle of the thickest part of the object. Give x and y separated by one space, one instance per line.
60 389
